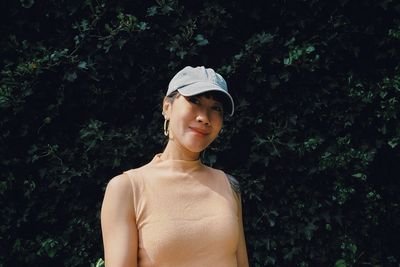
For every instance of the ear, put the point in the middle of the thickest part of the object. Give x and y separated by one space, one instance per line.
166 108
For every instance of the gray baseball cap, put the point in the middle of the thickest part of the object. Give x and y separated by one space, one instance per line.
193 81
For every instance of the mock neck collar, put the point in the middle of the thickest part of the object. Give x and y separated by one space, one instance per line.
177 164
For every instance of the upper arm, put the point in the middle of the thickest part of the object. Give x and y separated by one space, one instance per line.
241 254
118 224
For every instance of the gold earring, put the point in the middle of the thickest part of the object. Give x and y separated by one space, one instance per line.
166 124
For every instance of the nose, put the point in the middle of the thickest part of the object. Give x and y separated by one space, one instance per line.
202 117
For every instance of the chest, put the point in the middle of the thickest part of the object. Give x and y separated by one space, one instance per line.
187 220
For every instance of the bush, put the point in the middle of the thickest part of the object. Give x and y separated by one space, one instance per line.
315 136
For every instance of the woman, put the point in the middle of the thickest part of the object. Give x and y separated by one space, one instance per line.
175 211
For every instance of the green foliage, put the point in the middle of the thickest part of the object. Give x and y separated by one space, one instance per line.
316 132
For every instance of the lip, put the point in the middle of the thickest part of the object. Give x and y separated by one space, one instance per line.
200 131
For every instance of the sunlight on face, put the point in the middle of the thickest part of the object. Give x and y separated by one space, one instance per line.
195 121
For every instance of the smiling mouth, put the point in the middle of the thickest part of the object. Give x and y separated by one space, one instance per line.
199 132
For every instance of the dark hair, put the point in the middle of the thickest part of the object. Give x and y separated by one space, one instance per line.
217 96
172 96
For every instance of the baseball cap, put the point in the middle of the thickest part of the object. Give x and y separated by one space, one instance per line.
196 80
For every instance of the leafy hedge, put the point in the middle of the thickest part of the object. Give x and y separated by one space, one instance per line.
315 140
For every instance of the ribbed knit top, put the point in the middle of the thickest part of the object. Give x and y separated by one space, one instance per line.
186 214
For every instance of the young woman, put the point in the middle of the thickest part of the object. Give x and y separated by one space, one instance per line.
175 211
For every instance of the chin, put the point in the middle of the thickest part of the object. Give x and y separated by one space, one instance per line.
196 148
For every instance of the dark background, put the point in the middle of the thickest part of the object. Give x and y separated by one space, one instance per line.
315 140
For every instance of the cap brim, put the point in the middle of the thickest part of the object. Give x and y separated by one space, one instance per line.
202 87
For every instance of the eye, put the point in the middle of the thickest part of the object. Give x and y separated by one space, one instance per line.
193 99
218 108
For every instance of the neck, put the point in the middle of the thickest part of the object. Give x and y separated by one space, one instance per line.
176 152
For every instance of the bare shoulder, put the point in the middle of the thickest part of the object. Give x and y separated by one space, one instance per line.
232 179
119 190
119 183
234 183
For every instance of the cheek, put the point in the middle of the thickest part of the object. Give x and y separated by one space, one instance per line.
175 125
179 121
218 121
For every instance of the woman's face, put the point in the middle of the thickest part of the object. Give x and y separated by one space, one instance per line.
195 121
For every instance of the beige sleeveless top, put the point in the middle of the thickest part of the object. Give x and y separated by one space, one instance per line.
186 215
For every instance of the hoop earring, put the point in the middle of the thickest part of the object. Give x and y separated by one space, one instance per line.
166 124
